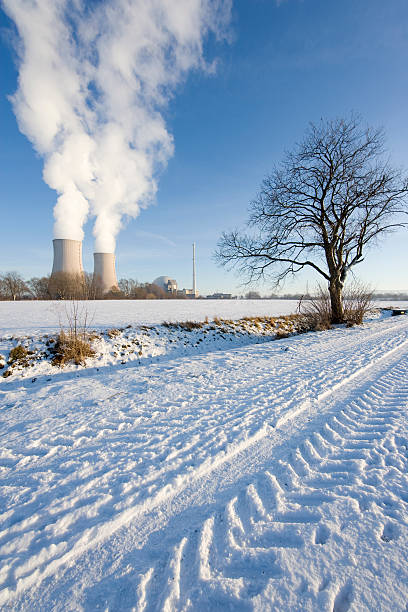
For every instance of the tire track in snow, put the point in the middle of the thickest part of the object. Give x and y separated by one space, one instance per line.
93 536
241 551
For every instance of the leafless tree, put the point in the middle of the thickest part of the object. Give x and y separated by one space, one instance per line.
128 286
39 287
253 295
65 286
321 208
88 288
12 286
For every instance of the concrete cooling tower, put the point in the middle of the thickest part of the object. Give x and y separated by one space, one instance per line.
67 256
104 272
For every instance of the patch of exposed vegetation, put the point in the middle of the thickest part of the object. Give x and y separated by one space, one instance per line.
317 311
18 353
112 333
70 348
187 325
76 344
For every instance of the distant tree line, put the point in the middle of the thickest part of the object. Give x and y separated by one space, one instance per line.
379 295
63 286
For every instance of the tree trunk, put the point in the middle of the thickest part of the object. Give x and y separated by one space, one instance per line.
336 301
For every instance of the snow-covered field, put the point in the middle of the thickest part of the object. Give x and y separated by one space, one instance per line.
27 318
31 317
266 477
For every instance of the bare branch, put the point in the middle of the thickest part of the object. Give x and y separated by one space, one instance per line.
327 200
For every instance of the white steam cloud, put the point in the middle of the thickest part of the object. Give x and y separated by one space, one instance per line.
94 78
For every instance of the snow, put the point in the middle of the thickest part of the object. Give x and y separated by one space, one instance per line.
267 476
141 344
31 317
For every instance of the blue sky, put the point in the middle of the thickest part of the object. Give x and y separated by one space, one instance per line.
286 64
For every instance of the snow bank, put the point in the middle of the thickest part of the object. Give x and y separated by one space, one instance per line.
38 355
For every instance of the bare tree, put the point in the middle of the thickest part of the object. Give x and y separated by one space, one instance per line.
128 286
39 287
321 208
66 286
89 289
12 286
253 295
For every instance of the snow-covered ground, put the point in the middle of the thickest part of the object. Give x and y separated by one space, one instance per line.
267 477
141 344
34 318
28 318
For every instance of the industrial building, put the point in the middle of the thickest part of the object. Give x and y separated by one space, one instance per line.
67 257
167 284
104 275
68 260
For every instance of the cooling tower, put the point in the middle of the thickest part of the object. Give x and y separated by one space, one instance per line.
104 272
67 256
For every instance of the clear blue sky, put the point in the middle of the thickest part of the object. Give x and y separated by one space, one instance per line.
286 64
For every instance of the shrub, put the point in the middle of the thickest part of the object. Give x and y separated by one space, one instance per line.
70 348
358 301
73 342
17 353
316 310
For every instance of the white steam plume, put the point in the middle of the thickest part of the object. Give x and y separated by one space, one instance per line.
93 80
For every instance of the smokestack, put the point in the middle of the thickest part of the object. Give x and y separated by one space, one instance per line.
67 256
104 272
194 272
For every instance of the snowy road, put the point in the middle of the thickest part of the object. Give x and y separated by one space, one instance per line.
266 477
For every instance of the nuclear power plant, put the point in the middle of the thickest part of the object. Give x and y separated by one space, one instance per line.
68 260
67 257
104 272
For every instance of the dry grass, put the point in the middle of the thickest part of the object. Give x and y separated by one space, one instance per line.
282 333
186 325
190 325
316 310
70 348
94 336
358 301
18 353
112 333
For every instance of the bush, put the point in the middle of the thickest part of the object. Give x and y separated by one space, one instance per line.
316 310
17 353
73 342
358 301
71 348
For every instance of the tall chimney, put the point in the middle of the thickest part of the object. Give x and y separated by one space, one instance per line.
67 256
104 272
194 272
